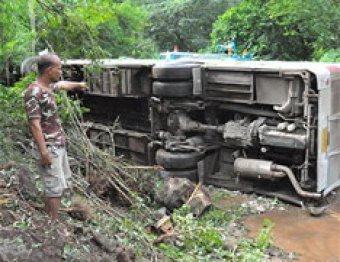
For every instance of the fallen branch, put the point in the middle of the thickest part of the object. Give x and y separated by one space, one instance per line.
194 192
155 168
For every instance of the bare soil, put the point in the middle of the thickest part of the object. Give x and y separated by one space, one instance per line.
27 233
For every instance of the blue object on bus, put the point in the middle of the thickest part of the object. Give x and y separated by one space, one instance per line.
170 56
224 52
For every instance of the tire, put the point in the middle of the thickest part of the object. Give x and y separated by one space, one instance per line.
174 71
172 89
178 160
190 174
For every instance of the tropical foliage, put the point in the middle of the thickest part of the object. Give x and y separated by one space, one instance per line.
92 28
185 23
282 30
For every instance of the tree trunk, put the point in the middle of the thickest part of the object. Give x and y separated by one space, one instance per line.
8 75
32 23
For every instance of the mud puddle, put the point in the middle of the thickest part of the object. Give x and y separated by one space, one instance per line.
314 239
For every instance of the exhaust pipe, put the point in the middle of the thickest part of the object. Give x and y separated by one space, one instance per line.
295 183
255 168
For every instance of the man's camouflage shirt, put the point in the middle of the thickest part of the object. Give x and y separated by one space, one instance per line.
40 104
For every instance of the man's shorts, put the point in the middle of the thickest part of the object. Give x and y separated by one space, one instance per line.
56 177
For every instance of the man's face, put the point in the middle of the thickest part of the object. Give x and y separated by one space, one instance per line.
54 71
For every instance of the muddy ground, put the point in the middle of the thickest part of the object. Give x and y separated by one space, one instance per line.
306 238
27 234
312 238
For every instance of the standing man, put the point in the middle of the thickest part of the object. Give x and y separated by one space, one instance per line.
47 132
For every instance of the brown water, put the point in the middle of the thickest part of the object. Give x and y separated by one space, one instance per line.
315 239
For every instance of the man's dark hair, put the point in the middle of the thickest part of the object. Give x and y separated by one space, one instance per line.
45 61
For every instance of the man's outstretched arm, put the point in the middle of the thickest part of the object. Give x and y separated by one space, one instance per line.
70 85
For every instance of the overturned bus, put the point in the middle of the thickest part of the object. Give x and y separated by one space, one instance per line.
266 127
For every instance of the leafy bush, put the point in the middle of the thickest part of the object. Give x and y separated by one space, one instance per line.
11 102
12 119
203 239
281 30
332 55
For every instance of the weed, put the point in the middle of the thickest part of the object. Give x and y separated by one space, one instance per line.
203 239
24 223
70 252
219 195
216 216
65 202
254 250
197 239
18 241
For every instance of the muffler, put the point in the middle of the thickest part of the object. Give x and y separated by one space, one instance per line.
255 168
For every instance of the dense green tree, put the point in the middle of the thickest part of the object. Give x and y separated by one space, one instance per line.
285 30
186 23
15 34
101 28
72 28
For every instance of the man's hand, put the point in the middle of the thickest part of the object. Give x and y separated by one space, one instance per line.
46 159
38 136
83 86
